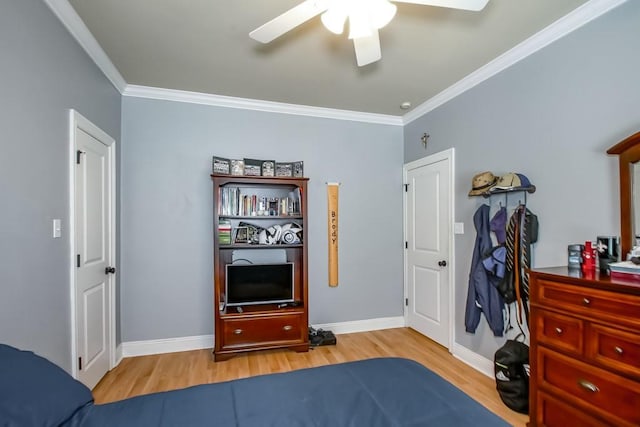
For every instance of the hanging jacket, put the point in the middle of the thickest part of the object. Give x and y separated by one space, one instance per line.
482 295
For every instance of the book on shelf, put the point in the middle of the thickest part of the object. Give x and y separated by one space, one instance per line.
224 232
231 202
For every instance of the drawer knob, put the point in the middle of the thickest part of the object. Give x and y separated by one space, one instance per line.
588 386
287 328
237 331
618 350
559 331
586 301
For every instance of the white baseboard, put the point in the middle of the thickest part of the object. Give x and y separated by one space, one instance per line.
171 345
363 325
118 355
167 345
479 363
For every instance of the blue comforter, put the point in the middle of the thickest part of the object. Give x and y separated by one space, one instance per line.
375 392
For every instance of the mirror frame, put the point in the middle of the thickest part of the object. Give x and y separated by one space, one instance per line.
628 151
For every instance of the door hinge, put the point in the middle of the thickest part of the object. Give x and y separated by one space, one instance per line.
406 245
78 154
406 187
406 302
78 260
80 363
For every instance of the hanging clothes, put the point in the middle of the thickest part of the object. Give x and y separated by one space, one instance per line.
522 231
498 225
482 295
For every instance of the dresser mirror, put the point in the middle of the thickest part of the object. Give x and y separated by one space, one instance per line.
628 152
635 189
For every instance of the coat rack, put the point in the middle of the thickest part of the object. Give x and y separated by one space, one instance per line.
530 189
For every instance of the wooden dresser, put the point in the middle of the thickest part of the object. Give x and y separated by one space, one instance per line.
585 350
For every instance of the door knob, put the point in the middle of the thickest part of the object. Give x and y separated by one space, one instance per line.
108 270
442 263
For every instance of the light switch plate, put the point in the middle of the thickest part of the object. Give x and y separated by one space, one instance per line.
57 228
458 228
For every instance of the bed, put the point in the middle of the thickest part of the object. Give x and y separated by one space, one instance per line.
368 393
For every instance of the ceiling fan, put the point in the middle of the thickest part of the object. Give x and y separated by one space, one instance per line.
365 17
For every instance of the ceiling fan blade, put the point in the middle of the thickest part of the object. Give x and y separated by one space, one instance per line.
475 5
289 20
367 49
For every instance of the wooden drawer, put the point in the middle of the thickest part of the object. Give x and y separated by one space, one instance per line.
606 395
273 330
613 348
561 332
552 412
594 303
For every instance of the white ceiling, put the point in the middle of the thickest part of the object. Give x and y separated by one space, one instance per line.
203 46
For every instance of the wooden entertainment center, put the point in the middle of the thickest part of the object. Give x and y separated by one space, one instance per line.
244 207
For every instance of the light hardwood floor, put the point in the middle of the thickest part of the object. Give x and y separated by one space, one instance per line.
147 374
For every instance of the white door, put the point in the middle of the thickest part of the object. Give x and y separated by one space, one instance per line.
94 242
429 230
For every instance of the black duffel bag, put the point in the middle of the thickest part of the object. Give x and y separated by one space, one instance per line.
511 368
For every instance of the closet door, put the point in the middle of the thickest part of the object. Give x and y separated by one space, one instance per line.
428 228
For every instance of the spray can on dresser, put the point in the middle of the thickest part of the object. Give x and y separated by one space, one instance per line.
588 257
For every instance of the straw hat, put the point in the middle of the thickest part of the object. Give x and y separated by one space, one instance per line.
482 182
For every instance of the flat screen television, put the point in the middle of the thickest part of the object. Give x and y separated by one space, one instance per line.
250 284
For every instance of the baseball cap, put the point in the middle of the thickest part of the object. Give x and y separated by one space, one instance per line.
513 181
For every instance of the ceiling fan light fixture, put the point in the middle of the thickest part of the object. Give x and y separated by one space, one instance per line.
381 13
365 18
333 20
359 26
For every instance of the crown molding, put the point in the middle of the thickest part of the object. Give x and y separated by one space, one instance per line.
563 26
258 105
70 19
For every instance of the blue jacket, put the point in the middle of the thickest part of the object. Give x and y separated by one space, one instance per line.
482 296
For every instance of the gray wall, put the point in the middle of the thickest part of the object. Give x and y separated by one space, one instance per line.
551 117
167 219
44 73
